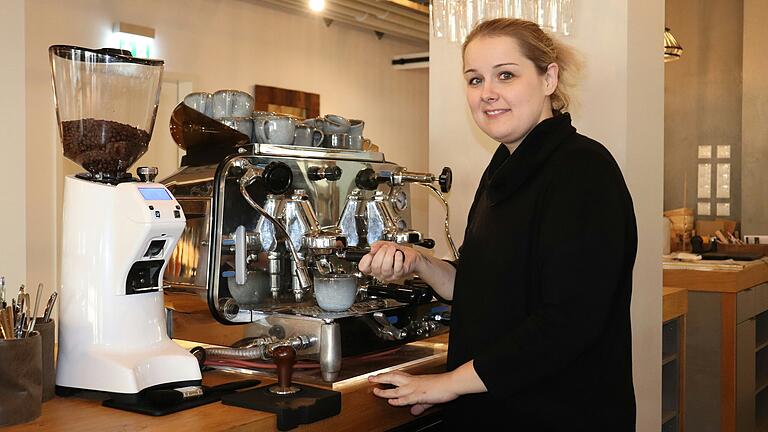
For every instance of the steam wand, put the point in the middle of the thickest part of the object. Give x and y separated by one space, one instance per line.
447 213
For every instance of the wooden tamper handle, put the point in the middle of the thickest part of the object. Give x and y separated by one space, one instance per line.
284 357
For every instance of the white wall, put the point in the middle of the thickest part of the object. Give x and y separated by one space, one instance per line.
222 44
13 248
621 104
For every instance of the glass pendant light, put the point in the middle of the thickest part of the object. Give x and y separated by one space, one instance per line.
672 48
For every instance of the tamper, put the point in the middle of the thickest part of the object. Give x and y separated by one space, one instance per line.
284 357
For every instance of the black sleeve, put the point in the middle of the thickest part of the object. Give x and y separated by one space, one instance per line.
580 265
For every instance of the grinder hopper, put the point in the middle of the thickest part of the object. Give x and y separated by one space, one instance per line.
106 103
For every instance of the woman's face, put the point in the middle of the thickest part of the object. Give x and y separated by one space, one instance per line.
507 95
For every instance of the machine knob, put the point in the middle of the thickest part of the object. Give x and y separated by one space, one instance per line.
331 173
284 357
147 174
278 177
367 179
446 179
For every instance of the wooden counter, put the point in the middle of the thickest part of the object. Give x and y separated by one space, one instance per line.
725 336
360 409
716 276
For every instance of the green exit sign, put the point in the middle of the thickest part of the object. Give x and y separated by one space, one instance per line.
139 46
139 40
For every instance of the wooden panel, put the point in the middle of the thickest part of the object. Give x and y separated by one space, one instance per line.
703 362
675 303
681 356
284 101
745 305
728 364
745 376
761 298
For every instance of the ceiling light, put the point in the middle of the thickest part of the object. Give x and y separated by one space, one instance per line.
317 5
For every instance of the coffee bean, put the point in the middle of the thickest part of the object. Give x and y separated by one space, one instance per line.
105 148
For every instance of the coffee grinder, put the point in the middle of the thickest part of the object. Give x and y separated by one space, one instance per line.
118 231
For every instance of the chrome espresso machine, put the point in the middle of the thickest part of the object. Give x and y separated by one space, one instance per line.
269 220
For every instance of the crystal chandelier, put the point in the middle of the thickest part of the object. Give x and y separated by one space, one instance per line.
454 19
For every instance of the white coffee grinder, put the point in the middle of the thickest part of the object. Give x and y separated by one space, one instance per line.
118 231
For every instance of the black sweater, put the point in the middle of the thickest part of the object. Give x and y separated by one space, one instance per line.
543 287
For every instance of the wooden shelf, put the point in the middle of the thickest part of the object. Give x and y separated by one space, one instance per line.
761 387
668 358
761 346
667 415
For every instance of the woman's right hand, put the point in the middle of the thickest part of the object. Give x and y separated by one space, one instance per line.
388 261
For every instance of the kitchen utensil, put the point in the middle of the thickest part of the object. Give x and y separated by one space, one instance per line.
4 334
2 292
31 325
49 306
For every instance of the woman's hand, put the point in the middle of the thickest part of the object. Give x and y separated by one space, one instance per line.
420 391
389 261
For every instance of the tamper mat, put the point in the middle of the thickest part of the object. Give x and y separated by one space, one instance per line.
308 405
294 404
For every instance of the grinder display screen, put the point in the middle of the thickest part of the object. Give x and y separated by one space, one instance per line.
155 194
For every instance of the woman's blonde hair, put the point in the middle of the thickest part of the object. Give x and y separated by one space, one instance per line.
538 47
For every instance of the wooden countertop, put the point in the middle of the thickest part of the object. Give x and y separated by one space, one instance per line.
716 277
360 409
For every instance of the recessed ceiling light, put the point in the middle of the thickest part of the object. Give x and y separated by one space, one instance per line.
317 5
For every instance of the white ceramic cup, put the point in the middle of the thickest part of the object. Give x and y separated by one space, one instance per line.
231 103
201 102
308 136
279 130
243 125
356 128
335 124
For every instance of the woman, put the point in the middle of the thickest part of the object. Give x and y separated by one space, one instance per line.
540 336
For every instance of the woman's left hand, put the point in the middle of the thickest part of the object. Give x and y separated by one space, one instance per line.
421 391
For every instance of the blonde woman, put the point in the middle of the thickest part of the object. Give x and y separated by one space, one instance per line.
540 337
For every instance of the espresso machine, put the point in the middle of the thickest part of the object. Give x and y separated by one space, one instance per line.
118 231
267 223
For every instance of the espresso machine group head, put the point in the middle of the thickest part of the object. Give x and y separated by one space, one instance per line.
118 231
